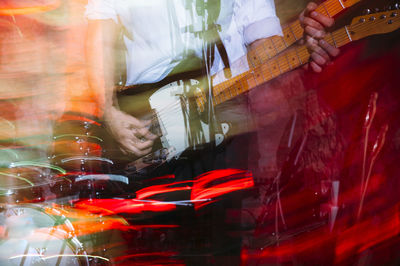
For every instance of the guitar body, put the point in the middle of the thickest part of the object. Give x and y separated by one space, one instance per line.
174 116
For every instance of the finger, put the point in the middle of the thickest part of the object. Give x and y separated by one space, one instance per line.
330 49
317 58
312 23
311 44
324 20
130 148
141 144
315 67
306 12
145 133
322 53
134 122
309 8
314 33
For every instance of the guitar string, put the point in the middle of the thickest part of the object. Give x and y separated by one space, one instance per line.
340 38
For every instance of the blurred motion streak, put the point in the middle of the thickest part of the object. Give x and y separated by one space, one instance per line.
349 242
160 189
218 183
28 7
132 206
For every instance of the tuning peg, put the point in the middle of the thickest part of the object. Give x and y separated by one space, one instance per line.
396 6
367 11
376 10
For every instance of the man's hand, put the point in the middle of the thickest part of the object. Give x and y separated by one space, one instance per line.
314 25
131 133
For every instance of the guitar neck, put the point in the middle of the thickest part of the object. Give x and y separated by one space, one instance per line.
272 68
292 32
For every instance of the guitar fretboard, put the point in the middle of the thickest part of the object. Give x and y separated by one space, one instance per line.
292 32
271 68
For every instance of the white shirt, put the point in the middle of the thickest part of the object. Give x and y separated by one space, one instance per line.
156 41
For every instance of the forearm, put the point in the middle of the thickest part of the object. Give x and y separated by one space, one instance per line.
100 59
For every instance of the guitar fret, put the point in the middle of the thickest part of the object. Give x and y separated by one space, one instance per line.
279 43
281 64
259 75
348 34
290 28
265 51
252 57
327 12
334 6
284 42
251 82
333 40
341 37
237 87
287 60
292 55
322 9
265 69
270 49
304 54
263 55
244 85
273 44
234 89
297 29
274 69
230 93
297 54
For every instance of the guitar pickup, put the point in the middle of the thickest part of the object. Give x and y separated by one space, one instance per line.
176 88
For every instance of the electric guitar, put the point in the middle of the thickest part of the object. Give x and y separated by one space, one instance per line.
180 131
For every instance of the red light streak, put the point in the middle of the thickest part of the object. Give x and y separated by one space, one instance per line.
368 234
131 206
160 189
204 189
150 258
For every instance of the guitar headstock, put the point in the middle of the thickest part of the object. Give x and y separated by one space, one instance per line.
376 23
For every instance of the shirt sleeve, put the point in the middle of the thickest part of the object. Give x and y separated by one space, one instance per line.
101 9
256 19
